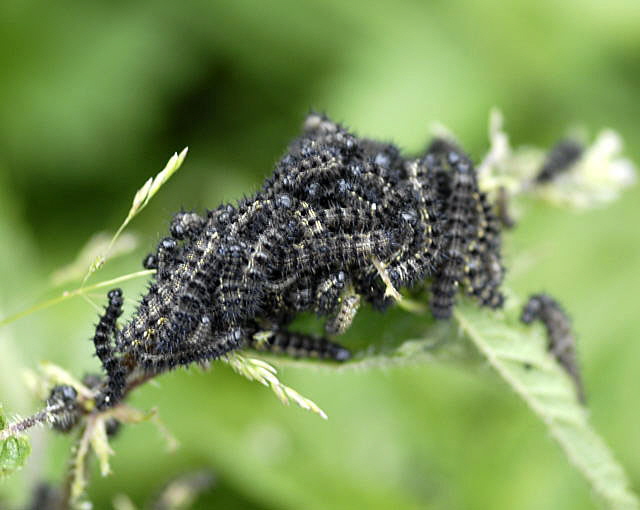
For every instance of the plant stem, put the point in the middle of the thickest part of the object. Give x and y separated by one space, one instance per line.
68 294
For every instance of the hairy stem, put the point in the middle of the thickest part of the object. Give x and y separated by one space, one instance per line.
20 426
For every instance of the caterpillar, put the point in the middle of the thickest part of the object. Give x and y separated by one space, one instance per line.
561 342
562 156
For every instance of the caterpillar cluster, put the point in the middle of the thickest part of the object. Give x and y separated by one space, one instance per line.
341 220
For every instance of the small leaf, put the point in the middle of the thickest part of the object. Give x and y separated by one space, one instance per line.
13 454
13 451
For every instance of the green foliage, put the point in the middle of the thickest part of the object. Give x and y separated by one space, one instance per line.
14 450
98 91
520 356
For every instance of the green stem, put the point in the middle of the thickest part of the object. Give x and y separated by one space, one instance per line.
68 294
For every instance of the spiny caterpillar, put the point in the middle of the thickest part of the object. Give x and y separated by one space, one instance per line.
342 219
561 342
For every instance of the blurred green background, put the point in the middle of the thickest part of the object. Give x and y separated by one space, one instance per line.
95 96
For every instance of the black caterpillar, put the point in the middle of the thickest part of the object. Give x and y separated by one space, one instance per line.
561 342
341 219
562 156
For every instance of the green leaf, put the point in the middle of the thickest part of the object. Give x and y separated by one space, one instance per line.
519 355
13 451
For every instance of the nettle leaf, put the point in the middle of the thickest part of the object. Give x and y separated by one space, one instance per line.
393 339
13 451
518 353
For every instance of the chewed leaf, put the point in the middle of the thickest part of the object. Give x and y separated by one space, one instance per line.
504 166
13 451
519 355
